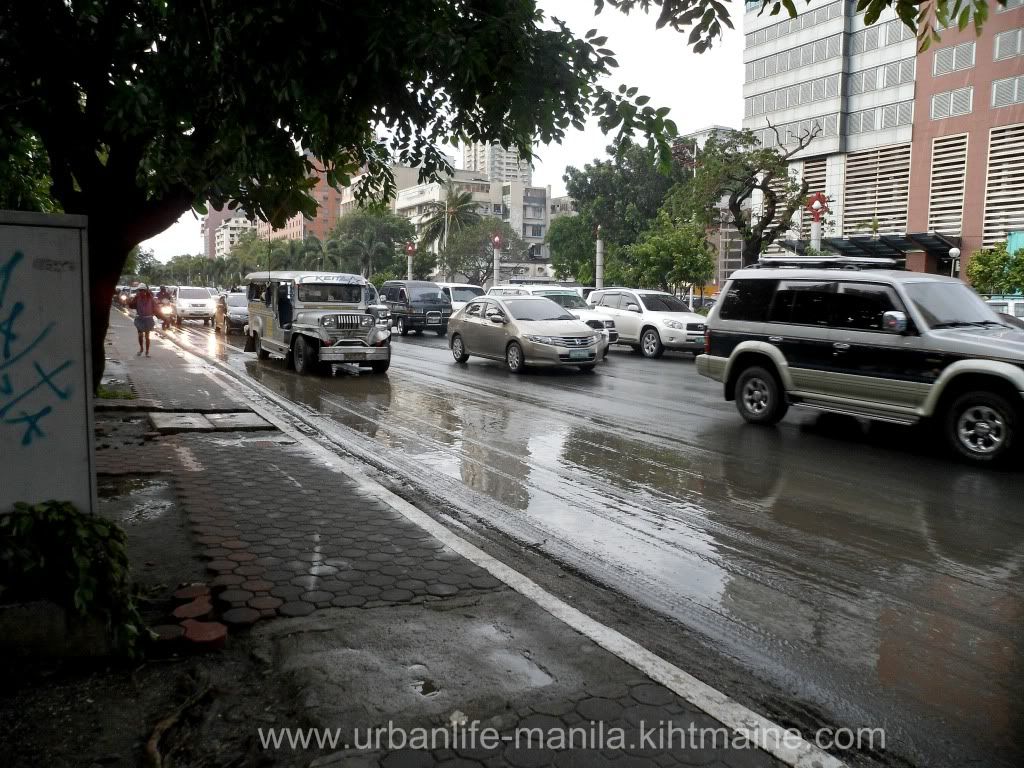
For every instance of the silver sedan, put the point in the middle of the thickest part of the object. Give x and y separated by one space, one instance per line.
522 330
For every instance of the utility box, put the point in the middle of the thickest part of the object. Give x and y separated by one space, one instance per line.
46 418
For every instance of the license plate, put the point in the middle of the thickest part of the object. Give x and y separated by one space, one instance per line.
579 354
355 355
433 321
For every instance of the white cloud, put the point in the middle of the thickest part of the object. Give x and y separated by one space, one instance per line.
701 90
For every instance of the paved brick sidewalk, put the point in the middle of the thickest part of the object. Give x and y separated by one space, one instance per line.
283 537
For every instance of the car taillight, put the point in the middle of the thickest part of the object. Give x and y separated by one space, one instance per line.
707 342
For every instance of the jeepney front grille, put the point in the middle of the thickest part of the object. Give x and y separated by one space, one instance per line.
347 322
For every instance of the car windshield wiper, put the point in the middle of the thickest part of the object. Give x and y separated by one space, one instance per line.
954 324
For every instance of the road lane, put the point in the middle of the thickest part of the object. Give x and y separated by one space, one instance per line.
878 584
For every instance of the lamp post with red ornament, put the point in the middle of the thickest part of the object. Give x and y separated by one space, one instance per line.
496 252
410 251
817 205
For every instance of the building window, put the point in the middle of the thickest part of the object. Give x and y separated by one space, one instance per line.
1010 5
1007 92
877 187
952 103
1008 44
953 59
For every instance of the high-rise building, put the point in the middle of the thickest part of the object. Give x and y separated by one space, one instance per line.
299 227
228 233
526 209
914 151
208 228
496 163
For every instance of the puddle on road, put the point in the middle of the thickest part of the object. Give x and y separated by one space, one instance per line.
134 500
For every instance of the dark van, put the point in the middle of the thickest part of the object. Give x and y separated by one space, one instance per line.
417 305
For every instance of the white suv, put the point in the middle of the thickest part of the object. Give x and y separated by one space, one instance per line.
651 321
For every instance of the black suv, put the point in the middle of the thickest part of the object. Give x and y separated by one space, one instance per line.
417 305
886 345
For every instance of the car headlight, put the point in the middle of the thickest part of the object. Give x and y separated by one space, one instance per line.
609 323
674 324
384 320
367 321
329 321
541 339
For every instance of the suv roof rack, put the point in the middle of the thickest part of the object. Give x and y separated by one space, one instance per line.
828 262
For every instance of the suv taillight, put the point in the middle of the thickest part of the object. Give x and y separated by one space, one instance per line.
707 341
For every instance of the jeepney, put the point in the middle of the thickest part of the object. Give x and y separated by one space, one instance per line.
315 319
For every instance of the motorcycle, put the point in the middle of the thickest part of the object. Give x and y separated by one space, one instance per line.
166 310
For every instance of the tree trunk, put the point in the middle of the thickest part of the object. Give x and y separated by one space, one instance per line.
106 259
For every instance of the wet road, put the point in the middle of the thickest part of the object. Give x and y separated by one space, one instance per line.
857 572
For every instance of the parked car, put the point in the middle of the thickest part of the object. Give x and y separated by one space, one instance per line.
460 293
651 321
891 346
315 319
523 331
1013 305
569 298
191 303
417 305
232 313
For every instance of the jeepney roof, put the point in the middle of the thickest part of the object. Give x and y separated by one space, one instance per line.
297 276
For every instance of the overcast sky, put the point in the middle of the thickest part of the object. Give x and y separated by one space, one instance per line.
701 90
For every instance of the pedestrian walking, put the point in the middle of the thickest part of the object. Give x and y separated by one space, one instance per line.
145 316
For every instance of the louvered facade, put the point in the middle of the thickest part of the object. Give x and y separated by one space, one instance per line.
1004 184
876 190
905 134
946 190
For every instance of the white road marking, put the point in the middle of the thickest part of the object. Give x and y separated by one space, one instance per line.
769 736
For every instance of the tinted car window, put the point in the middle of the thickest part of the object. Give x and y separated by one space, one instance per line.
802 303
426 293
748 300
236 300
949 305
193 293
463 294
610 300
656 303
567 300
860 306
473 310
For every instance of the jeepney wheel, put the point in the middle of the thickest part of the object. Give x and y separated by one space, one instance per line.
380 366
304 356
261 353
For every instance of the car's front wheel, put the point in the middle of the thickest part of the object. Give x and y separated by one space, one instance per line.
982 427
401 327
650 344
759 396
459 349
514 357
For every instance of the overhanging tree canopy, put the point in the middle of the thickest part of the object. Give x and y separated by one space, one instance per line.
145 108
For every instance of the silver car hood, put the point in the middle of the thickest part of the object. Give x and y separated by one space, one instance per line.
590 314
682 317
991 342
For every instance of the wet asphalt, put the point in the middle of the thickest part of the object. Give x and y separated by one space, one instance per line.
854 570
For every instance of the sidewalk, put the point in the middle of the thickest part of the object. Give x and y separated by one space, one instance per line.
359 617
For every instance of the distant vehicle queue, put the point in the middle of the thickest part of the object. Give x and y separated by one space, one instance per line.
316 319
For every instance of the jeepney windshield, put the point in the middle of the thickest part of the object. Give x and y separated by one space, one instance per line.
342 293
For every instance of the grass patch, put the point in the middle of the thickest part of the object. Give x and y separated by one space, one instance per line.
113 393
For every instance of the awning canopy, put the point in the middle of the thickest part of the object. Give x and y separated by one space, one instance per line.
882 246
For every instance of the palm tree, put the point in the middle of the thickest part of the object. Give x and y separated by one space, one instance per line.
445 217
365 249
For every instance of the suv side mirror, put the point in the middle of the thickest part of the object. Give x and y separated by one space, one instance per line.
631 307
894 322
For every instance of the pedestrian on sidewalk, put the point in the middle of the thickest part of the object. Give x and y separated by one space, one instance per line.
145 315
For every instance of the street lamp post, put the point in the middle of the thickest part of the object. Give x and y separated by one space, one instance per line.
410 250
496 253
599 261
954 261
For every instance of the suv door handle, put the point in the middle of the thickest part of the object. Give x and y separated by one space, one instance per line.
840 346
775 339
